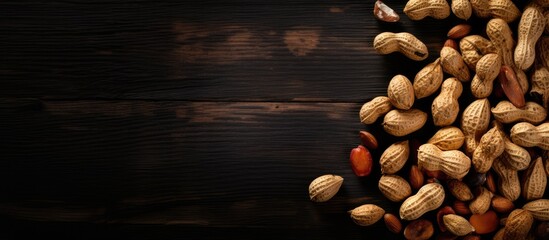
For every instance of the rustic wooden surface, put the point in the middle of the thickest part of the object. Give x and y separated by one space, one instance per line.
146 119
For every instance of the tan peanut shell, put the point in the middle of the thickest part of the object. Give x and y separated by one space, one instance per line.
474 122
490 147
405 43
401 92
515 156
481 8
504 9
367 214
448 138
487 70
508 181
527 135
534 181
530 28
445 107
459 190
324 187
394 157
457 225
538 208
428 198
428 80
473 47
375 108
403 122
506 112
420 9
462 9
453 163
518 224
482 202
394 187
453 64
540 85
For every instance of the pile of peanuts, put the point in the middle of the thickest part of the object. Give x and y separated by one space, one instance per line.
501 137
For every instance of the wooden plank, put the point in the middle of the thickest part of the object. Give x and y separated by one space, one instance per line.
308 51
219 165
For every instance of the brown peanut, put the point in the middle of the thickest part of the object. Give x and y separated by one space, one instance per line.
453 163
428 79
474 123
445 107
527 135
482 202
538 208
473 47
508 182
487 70
462 9
405 43
457 225
518 224
367 214
420 9
428 198
534 181
448 138
372 110
490 147
530 28
506 112
460 190
453 64
401 92
403 122
394 157
394 187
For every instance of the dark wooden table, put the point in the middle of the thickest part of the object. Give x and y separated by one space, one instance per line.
191 120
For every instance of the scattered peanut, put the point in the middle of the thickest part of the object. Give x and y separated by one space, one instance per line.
420 9
518 224
367 214
539 209
482 202
401 92
448 138
474 122
462 9
457 225
323 188
428 198
374 109
453 64
394 157
527 135
445 107
392 222
405 43
453 163
490 147
508 184
487 70
506 112
459 190
535 181
428 80
403 122
531 26
394 187
473 47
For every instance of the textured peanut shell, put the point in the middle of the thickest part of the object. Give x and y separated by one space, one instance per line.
508 181
515 156
540 85
490 147
506 112
459 190
453 163
504 9
487 70
481 8
403 122
473 47
428 80
405 43
538 208
474 122
428 198
401 92
527 135
445 107
534 181
530 28
482 202
462 9
375 108
448 138
394 157
420 9
518 224
457 225
394 187
453 64
323 188
367 214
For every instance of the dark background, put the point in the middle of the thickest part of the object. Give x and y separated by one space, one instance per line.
192 120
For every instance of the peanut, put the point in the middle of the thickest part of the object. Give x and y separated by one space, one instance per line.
532 112
473 47
453 64
460 190
538 208
448 138
540 85
531 26
527 135
384 12
474 122
323 188
405 43
392 222
372 110
453 163
420 9
508 182
403 122
394 187
487 70
457 225
459 31
504 9
462 9
445 107
482 202
490 147
401 92
428 79
518 224
534 181
394 157
481 8
515 156
502 205
367 214
428 198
